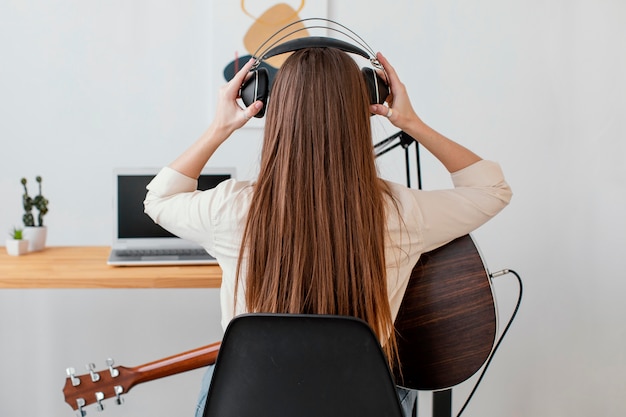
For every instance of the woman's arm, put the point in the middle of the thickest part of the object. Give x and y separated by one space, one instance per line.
452 155
228 118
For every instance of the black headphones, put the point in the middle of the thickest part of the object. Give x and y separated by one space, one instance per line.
258 85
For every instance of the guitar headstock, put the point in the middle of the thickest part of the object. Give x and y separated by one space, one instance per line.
96 386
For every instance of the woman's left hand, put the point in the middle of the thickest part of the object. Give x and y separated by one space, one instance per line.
229 114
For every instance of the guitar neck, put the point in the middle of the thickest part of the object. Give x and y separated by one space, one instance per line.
176 364
83 390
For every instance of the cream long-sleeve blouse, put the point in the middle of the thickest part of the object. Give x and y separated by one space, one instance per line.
424 220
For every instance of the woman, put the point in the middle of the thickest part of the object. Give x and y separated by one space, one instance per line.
318 231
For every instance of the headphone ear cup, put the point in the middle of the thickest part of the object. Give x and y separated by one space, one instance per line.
377 87
256 87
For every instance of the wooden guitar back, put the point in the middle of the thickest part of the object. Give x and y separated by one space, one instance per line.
447 320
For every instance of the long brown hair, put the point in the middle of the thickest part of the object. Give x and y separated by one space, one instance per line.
315 233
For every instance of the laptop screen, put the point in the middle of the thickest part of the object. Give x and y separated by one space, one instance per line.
132 222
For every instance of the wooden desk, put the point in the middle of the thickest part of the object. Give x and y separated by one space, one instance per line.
86 267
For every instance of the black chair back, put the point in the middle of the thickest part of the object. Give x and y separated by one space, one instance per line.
301 365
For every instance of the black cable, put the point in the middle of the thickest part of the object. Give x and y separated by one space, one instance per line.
506 329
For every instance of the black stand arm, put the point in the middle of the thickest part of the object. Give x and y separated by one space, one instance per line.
402 139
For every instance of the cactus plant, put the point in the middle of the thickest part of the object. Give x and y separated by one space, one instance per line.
16 234
16 244
39 202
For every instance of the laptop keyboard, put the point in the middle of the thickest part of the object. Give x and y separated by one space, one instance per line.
199 253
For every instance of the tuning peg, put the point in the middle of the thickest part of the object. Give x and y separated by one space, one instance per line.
71 373
80 402
95 377
114 372
99 398
118 394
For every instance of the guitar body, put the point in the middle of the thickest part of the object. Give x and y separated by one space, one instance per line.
447 321
446 331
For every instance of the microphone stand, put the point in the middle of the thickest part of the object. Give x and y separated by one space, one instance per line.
405 140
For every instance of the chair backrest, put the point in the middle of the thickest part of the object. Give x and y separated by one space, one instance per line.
301 365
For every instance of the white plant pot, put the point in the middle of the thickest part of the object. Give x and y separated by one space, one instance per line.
17 247
36 236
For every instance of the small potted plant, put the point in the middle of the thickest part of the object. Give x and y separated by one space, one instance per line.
35 233
16 245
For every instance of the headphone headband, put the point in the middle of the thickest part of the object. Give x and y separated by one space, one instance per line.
313 42
366 51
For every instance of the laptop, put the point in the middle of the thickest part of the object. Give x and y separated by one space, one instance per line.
137 240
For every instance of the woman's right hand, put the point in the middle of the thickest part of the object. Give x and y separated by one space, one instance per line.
229 116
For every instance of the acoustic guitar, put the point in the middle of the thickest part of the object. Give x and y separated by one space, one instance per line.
446 331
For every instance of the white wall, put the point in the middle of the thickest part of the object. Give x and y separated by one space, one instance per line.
538 86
